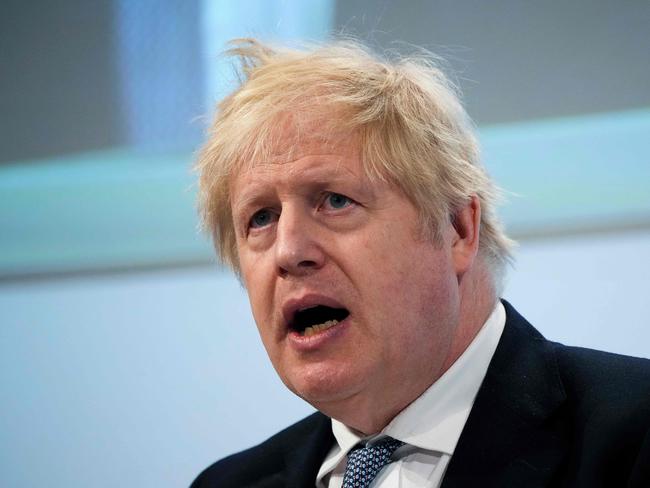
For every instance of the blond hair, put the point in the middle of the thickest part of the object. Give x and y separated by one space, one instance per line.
411 125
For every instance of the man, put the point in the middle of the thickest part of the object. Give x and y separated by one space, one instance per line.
348 195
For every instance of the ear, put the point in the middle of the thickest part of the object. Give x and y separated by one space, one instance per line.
464 246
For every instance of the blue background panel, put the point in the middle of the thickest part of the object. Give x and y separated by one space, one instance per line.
129 209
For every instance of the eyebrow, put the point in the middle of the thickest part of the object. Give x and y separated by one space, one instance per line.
315 178
248 200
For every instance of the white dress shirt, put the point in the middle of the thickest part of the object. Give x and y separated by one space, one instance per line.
430 426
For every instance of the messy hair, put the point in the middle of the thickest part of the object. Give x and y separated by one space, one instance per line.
412 130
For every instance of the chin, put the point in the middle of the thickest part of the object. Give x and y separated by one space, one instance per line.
321 385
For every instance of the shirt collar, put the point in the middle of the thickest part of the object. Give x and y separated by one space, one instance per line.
435 420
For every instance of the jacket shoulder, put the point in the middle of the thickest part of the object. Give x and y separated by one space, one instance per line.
609 395
594 406
597 376
262 464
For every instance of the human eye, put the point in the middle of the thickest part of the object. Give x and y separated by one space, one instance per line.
261 218
336 201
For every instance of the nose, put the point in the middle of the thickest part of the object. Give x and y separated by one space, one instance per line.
298 250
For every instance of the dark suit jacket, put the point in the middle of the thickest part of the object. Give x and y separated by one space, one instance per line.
545 415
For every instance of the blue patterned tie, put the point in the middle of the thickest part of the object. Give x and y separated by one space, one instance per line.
365 462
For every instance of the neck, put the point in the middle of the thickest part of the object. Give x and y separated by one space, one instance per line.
477 300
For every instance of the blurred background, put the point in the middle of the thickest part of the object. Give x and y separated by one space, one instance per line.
127 356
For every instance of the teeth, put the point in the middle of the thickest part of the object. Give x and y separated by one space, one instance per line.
315 329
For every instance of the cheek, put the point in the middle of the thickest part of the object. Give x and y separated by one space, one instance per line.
411 287
383 275
259 287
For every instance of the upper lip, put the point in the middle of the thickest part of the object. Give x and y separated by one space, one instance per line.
292 305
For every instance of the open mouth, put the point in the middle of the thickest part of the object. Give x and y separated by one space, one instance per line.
312 320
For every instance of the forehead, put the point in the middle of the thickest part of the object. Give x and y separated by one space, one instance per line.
301 154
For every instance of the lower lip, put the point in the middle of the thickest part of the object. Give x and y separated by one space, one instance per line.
320 339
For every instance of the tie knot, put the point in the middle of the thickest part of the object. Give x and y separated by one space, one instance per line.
365 462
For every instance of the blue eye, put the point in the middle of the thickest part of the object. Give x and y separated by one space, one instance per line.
261 218
336 200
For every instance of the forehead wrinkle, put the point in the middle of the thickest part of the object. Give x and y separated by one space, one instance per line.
321 173
322 162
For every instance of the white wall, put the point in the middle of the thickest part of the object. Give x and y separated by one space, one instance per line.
144 379
587 291
138 380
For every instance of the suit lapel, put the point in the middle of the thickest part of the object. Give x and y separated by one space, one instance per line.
303 460
514 434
